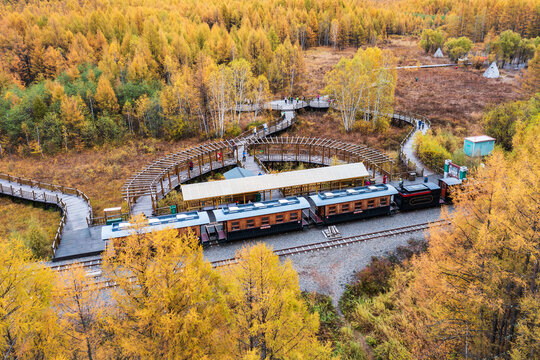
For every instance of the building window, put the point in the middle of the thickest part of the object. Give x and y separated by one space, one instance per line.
235 225
384 201
331 210
265 221
371 203
344 208
293 216
279 218
250 223
357 206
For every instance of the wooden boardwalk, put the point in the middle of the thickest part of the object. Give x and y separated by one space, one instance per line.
74 204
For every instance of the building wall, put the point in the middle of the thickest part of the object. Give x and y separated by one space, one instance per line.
478 149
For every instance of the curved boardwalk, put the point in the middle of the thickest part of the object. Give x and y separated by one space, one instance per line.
74 205
144 189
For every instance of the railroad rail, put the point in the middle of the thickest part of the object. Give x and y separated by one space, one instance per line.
95 264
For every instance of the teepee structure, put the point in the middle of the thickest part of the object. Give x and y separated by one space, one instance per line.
492 71
438 53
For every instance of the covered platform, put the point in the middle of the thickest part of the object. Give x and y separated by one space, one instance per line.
256 188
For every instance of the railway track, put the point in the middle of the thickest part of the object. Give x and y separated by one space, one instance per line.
95 264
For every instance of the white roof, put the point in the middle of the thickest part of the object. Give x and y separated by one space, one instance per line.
438 53
480 138
254 184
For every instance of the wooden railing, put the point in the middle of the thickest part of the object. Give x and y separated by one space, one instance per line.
51 187
39 197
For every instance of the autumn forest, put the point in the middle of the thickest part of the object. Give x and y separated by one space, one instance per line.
93 90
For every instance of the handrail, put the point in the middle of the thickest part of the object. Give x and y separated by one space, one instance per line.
57 188
40 197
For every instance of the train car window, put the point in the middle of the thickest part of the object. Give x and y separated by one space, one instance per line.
279 218
250 223
384 201
344 207
293 216
371 203
358 205
235 225
265 220
331 210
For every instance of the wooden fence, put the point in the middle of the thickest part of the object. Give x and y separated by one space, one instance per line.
42 197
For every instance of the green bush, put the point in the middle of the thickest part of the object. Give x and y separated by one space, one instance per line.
37 240
430 151
457 48
431 40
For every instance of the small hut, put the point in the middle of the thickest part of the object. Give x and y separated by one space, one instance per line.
438 53
492 71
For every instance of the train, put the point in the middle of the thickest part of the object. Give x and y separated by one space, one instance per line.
254 219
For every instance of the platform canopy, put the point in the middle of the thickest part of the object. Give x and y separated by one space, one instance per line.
256 184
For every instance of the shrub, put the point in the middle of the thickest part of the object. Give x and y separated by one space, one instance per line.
367 283
430 151
457 48
431 40
37 240
233 131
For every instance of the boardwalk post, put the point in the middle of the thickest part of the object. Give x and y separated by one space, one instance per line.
170 183
162 192
178 174
200 168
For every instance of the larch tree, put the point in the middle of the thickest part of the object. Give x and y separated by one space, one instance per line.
168 300
531 78
105 96
28 324
269 319
483 270
80 307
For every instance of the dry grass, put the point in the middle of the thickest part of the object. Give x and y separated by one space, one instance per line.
17 217
454 98
100 173
329 125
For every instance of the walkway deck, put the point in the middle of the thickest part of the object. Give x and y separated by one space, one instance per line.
78 210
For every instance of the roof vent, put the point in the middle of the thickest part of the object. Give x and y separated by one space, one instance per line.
329 194
181 217
154 221
283 201
233 208
372 187
259 205
352 191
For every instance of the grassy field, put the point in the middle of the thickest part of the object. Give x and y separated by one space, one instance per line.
30 224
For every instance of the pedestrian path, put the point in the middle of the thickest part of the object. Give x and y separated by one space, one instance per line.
77 208
407 150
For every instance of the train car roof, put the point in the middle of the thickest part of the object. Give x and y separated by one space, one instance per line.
260 208
451 181
414 188
353 194
178 221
